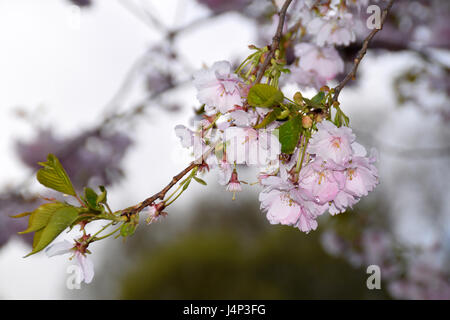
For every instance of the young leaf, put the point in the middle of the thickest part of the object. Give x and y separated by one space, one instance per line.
91 198
269 118
318 98
21 215
317 101
53 176
58 222
289 133
201 181
102 196
264 96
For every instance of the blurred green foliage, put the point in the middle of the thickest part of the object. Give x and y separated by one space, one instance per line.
230 252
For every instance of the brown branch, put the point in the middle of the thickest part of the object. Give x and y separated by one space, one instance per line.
275 40
161 194
362 52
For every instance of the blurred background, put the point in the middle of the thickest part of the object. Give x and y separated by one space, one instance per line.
102 84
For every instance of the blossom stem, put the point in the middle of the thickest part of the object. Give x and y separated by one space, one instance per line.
213 122
178 195
80 201
98 232
181 185
362 52
109 209
300 158
108 235
243 64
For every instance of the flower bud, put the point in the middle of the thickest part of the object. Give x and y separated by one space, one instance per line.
325 88
234 185
307 122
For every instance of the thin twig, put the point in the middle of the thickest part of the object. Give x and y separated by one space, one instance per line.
362 52
161 194
275 40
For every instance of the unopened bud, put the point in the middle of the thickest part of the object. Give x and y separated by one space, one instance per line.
298 98
325 88
307 122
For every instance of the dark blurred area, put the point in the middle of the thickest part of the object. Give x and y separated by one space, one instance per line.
227 250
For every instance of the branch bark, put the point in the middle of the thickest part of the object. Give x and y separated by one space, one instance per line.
161 194
275 40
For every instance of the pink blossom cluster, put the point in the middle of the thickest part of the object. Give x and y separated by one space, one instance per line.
325 25
336 173
225 136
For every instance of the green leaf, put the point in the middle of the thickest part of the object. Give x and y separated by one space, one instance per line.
201 181
53 176
59 221
21 215
91 198
289 133
340 118
269 118
264 96
318 101
102 196
40 217
318 98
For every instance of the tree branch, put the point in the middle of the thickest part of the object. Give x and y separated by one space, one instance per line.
161 194
362 52
275 40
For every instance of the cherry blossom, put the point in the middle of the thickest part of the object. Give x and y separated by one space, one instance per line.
218 88
332 143
85 264
318 183
154 212
361 177
283 205
336 30
316 65
234 185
